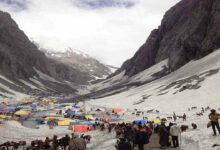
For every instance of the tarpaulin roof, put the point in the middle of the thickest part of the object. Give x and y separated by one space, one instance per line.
71 112
21 113
81 128
87 123
140 121
155 120
117 110
89 117
115 119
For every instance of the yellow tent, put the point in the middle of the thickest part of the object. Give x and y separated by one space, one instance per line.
89 117
57 118
155 120
4 117
63 123
21 113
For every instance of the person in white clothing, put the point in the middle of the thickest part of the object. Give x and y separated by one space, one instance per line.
175 131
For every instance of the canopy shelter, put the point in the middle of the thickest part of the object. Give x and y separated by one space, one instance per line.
89 117
70 112
4 117
57 118
100 109
76 106
140 122
10 108
155 120
117 110
81 128
87 123
21 113
120 122
115 119
64 123
105 118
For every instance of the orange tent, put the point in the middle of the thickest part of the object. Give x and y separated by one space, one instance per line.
81 128
117 110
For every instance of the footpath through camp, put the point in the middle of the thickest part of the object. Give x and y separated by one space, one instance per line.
45 123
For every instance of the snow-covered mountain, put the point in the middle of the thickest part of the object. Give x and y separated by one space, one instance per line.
82 62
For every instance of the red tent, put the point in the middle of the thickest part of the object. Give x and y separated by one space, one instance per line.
116 110
81 128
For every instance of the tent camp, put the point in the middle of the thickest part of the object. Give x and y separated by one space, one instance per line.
117 110
81 128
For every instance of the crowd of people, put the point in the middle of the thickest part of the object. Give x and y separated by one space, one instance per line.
129 135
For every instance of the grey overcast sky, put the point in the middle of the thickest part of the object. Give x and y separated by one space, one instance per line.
109 30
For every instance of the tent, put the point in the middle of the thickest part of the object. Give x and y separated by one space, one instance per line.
76 106
117 110
89 117
70 112
10 108
4 117
115 119
120 122
87 123
21 113
140 121
100 109
155 120
63 123
81 128
57 118
105 118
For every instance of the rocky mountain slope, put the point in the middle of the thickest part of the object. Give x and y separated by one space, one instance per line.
24 69
81 62
188 31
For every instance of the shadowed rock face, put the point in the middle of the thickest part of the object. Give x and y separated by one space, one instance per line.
189 30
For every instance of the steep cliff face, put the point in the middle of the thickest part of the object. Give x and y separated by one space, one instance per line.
189 30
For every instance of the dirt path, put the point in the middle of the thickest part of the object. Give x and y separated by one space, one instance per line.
154 144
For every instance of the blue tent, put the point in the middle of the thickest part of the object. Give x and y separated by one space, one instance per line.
33 105
2 107
140 121
78 115
11 108
115 119
87 123
76 106
71 112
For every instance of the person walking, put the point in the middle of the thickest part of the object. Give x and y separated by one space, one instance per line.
163 135
122 144
174 116
142 137
184 117
213 116
77 143
175 132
